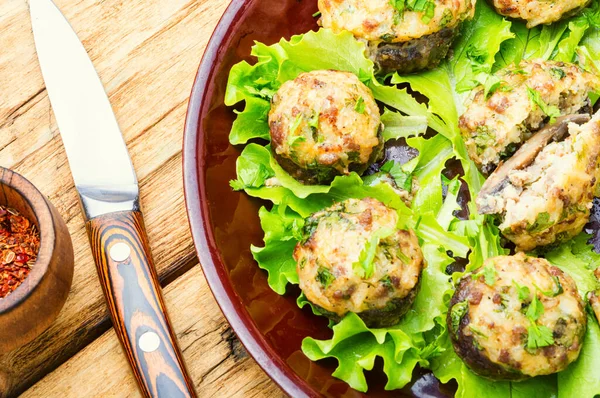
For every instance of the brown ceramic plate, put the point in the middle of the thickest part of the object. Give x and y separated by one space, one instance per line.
225 223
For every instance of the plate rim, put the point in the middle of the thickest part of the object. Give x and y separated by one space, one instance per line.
199 219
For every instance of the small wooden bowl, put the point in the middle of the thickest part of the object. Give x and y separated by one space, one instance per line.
35 304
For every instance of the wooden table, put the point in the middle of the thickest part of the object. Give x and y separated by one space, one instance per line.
147 53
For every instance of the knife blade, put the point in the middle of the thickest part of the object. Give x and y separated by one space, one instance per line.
108 191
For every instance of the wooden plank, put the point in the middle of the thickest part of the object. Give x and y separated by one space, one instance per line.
217 362
147 54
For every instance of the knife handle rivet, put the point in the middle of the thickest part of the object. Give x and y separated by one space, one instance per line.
149 342
120 252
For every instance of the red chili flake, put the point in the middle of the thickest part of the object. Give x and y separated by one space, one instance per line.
19 246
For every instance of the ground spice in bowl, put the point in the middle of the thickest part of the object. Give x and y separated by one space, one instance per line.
19 246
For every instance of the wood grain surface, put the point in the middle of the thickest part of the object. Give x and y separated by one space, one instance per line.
147 53
216 360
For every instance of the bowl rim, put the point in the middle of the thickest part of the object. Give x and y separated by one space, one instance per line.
39 205
194 179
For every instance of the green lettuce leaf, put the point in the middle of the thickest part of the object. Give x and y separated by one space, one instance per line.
588 52
559 41
567 47
476 48
437 86
435 286
400 126
577 259
355 347
433 155
282 232
445 215
251 122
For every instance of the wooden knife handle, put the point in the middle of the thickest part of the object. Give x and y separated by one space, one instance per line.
128 278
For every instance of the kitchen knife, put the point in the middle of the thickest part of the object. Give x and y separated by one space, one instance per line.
109 195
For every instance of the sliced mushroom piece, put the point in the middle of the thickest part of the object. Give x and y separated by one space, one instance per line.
525 157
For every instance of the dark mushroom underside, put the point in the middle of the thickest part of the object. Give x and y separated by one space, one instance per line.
466 348
390 315
412 56
322 173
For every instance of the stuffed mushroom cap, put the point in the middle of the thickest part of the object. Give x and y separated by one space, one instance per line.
406 41
517 317
324 124
494 125
354 258
550 199
537 12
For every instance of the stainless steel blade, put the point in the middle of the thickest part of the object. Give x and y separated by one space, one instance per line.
97 153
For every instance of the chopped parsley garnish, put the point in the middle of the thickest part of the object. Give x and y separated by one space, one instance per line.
537 335
364 267
447 17
477 332
458 311
386 281
295 140
388 37
558 289
314 120
551 111
354 156
535 309
523 291
324 277
303 263
426 7
493 85
485 137
504 302
519 72
310 226
360 105
558 73
294 126
488 273
542 223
